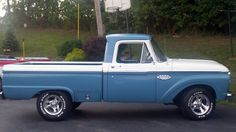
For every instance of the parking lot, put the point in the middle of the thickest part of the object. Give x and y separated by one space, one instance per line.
17 116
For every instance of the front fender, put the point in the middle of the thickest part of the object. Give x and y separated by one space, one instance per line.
218 82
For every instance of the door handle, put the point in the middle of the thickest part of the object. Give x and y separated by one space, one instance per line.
119 66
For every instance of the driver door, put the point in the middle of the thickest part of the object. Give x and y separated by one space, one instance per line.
131 77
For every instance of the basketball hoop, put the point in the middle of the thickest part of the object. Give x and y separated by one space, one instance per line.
112 9
113 6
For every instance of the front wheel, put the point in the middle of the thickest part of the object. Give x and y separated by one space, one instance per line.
54 105
0 85
197 104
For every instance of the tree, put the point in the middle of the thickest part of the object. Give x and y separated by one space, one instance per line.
145 15
68 12
68 46
172 16
10 43
75 55
94 49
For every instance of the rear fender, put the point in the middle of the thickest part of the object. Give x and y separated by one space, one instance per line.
27 92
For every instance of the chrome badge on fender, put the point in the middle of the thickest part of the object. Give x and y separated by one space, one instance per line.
164 77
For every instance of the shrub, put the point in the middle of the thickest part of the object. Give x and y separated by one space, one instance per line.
10 43
75 55
68 46
94 49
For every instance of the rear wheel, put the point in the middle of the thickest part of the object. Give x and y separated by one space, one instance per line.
54 105
197 104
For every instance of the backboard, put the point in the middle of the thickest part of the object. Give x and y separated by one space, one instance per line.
116 5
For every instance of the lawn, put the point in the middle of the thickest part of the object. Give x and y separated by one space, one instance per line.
44 42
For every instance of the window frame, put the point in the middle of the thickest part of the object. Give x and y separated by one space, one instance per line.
143 42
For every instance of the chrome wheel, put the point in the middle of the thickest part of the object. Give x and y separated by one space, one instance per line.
199 104
53 104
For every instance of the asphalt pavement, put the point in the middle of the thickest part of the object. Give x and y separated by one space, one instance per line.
22 116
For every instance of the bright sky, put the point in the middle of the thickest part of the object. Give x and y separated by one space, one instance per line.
2 12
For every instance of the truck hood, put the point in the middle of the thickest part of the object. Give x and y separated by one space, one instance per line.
196 65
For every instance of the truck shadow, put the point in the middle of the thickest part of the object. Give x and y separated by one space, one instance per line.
127 112
143 112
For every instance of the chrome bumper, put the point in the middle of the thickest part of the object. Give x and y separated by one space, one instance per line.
229 95
2 95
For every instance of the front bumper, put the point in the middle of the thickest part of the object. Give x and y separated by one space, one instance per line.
229 95
2 95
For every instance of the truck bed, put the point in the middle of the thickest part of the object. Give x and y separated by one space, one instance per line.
83 80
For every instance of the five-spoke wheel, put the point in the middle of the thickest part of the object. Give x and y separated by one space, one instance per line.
197 103
200 104
54 105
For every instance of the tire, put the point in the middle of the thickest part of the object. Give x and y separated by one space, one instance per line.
197 104
54 106
0 85
75 105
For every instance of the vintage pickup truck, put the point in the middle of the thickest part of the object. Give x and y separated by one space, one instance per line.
132 71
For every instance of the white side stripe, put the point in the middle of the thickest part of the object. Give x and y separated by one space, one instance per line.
53 68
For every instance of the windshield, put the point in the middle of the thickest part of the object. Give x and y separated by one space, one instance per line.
159 53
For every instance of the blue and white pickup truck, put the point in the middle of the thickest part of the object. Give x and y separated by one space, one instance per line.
132 71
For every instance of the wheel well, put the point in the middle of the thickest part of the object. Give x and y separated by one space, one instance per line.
69 95
209 88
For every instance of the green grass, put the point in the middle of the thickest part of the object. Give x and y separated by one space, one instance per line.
44 42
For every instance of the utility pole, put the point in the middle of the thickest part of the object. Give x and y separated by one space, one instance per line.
8 12
98 18
8 7
78 26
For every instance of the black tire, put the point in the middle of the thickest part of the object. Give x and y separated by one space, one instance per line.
0 85
54 106
197 104
75 105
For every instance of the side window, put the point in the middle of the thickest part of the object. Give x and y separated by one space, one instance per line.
133 53
146 56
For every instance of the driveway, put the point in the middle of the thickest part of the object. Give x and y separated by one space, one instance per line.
17 116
